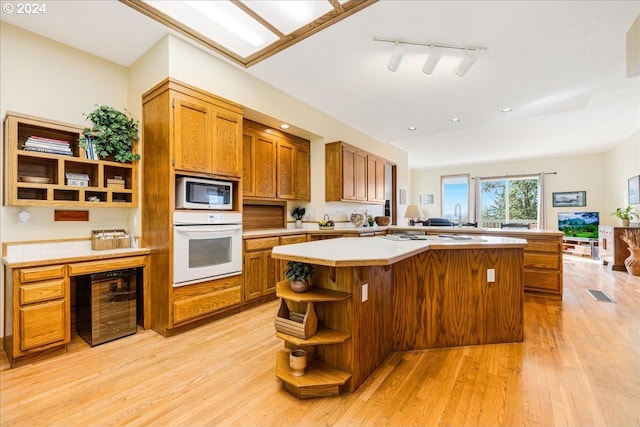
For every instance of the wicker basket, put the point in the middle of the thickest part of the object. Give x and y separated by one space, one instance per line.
298 325
109 239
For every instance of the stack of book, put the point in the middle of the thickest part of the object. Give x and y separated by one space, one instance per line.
77 179
47 145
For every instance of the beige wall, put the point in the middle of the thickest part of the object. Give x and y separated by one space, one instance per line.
603 176
621 163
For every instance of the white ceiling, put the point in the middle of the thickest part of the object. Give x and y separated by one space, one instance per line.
559 64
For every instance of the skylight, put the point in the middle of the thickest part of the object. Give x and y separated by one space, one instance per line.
248 31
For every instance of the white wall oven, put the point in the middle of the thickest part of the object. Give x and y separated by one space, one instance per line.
198 193
206 246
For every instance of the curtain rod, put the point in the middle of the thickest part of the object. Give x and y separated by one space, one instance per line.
514 176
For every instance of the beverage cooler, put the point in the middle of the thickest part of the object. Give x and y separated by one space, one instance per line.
106 306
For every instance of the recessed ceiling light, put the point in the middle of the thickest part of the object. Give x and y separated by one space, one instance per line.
412 128
455 120
506 110
284 126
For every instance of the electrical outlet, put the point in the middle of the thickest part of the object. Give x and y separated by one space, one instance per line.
491 275
365 292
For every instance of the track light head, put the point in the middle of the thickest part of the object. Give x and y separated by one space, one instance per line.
468 61
432 61
396 57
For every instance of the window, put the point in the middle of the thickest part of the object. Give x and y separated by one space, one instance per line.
455 198
508 200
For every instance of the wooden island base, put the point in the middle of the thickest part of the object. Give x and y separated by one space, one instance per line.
431 299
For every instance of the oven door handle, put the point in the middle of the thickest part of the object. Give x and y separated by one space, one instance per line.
189 229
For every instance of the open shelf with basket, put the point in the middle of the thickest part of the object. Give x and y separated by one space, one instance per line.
299 325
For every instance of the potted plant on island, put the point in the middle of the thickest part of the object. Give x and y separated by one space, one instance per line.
299 274
625 215
298 213
111 136
632 238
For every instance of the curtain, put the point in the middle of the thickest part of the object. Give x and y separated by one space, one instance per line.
477 204
542 223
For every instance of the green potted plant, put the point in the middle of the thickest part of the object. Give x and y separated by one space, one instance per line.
298 213
298 274
625 215
112 134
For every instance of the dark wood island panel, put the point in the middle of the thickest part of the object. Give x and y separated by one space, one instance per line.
442 298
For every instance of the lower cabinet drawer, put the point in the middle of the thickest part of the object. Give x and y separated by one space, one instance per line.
41 291
193 301
42 324
200 305
41 273
542 281
540 260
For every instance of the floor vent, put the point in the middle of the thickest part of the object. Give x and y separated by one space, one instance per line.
600 296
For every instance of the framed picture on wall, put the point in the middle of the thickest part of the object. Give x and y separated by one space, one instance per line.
569 199
634 190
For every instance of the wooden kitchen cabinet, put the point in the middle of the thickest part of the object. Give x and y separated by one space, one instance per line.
188 132
207 132
192 121
375 179
38 301
259 165
261 272
35 178
41 309
353 175
277 166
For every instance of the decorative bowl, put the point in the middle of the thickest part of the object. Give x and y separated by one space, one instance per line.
382 220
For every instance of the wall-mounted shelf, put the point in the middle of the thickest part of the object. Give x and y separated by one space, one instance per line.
36 178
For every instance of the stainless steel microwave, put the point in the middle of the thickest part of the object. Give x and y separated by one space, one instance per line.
198 193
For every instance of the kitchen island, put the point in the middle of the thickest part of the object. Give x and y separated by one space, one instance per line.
383 294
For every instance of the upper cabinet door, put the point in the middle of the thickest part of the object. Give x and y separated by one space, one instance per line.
227 144
192 135
259 165
348 173
286 171
302 182
361 176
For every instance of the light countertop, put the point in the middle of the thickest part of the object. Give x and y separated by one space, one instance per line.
49 253
382 250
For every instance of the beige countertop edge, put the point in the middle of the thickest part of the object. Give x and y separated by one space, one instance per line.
15 262
288 231
475 230
399 228
305 252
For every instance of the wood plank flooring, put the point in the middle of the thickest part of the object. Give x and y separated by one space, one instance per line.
578 366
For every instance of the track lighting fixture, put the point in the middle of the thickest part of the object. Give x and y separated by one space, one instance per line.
396 57
432 60
468 60
434 54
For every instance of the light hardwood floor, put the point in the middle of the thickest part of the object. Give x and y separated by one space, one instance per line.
578 366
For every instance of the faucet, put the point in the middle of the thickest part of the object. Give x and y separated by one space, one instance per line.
457 211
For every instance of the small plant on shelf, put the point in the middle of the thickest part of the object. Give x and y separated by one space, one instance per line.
625 214
298 274
112 134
